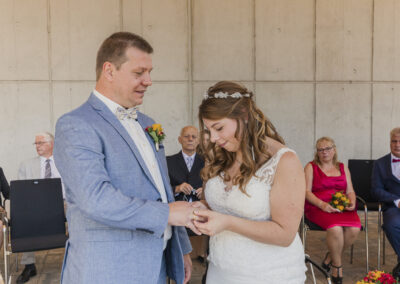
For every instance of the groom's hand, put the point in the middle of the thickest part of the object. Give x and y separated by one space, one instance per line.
181 214
187 262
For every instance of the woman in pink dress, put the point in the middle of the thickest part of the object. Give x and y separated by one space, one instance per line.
324 177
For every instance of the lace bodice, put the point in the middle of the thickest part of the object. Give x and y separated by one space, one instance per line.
235 252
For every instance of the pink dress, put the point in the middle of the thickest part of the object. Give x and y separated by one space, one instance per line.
323 187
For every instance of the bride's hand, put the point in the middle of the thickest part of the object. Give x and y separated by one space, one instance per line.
212 222
199 205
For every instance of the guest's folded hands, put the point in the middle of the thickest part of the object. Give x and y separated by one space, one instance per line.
350 207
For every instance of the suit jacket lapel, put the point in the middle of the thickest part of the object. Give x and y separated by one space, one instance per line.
182 163
105 112
196 163
36 168
388 163
163 171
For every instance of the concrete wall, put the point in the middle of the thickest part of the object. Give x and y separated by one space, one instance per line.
318 67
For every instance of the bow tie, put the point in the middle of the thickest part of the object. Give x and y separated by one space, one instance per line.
395 160
122 113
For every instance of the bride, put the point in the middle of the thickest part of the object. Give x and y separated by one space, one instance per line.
255 188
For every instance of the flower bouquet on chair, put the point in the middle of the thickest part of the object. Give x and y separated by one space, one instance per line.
339 201
378 277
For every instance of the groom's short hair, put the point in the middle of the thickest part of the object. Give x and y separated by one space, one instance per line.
113 49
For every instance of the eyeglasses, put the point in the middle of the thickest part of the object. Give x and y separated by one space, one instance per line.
39 143
327 149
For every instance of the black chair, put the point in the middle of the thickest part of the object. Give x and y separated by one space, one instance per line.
361 172
313 265
37 218
307 225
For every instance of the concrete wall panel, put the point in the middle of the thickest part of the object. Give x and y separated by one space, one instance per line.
132 16
24 44
343 112
165 27
385 116
26 113
78 29
290 108
343 39
68 96
387 40
284 40
167 103
223 40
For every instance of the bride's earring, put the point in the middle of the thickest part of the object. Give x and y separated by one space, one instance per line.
252 153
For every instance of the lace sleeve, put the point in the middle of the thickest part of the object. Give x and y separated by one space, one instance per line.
267 171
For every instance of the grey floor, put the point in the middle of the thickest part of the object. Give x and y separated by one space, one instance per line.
49 262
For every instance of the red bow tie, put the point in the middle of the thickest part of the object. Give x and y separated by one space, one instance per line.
395 160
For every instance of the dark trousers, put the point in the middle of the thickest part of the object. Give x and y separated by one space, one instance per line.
391 225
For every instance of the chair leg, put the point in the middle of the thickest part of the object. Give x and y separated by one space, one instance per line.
379 237
366 238
384 246
5 243
351 254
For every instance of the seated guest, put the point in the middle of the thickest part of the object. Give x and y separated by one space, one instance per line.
386 188
39 167
5 190
184 173
184 167
4 187
325 176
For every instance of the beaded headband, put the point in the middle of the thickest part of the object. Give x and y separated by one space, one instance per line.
224 95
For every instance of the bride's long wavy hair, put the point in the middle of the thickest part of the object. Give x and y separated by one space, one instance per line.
252 130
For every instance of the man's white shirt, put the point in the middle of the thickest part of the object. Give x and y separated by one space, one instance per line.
138 136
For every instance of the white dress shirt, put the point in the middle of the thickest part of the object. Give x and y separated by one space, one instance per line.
54 171
138 136
186 158
396 173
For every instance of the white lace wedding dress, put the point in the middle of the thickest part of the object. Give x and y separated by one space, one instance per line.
235 259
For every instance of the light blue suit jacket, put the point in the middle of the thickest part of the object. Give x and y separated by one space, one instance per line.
116 219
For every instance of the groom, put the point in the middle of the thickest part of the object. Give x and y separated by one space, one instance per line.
122 221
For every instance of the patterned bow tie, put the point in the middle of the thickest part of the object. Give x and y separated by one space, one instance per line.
122 113
395 160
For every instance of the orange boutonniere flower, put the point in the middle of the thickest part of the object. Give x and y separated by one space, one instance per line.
156 132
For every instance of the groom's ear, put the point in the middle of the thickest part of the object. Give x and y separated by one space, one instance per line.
108 70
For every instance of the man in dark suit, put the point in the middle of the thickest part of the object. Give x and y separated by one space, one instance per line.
184 167
386 188
184 173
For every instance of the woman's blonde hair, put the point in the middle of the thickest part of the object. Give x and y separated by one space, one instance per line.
335 161
228 99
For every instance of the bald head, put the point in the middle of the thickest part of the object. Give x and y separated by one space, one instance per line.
189 139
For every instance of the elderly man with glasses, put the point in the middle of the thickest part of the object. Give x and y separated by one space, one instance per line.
41 166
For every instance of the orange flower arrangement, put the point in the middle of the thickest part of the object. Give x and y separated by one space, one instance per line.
378 277
340 201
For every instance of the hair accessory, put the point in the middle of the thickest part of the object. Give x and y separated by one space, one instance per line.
224 95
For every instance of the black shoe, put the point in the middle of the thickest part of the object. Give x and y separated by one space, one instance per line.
326 266
337 279
29 271
201 259
396 271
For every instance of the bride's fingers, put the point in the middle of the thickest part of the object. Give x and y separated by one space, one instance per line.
202 213
194 228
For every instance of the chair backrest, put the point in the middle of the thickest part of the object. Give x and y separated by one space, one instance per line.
361 172
36 211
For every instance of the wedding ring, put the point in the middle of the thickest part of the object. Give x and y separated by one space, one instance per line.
193 216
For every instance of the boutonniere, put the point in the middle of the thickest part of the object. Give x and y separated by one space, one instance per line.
156 132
